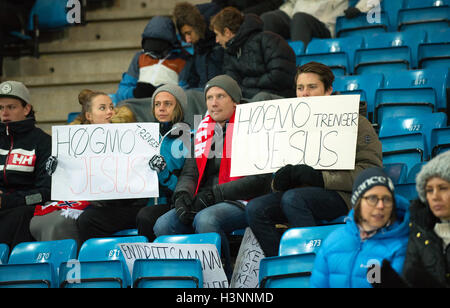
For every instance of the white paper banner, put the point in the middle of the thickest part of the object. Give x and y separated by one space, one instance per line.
213 273
104 162
319 131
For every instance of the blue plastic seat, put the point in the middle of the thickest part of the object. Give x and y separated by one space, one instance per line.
37 263
408 189
291 271
365 85
167 273
338 53
4 253
413 4
426 18
391 51
298 47
360 25
200 238
398 172
107 249
72 116
93 274
409 149
52 14
440 140
392 8
423 124
127 232
436 51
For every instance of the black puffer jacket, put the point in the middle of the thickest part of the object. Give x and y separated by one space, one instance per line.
427 264
260 61
24 150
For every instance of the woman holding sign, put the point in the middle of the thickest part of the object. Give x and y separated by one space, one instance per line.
303 196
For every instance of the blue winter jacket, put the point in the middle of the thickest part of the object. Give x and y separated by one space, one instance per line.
344 259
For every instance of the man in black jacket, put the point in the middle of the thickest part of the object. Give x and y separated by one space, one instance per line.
259 61
24 150
206 198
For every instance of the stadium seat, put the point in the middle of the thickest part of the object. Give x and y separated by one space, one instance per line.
37 263
127 232
304 240
422 123
338 53
52 14
292 271
426 18
391 51
360 25
297 46
365 85
440 140
4 253
409 149
436 51
93 274
398 172
413 4
200 238
167 273
106 249
391 8
408 189
414 171
72 116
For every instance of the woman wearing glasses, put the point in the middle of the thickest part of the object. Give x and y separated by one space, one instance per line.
376 229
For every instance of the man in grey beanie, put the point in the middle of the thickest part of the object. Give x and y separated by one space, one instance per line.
206 198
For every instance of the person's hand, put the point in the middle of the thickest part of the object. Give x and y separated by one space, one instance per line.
157 163
51 164
207 197
351 12
182 203
143 89
306 175
282 179
388 277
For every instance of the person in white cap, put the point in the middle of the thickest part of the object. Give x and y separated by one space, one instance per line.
24 150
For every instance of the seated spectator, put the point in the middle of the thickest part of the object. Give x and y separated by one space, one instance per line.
169 103
251 6
206 63
375 230
301 20
160 62
302 196
427 262
58 221
24 152
259 61
206 198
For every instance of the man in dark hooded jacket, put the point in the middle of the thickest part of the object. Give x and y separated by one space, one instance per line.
259 61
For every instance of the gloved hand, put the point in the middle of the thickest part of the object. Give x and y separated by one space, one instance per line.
51 164
157 163
182 203
143 89
207 197
290 176
351 12
388 277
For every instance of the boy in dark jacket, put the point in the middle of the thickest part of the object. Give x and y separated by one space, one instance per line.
24 150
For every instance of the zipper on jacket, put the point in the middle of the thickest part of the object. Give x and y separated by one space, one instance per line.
7 156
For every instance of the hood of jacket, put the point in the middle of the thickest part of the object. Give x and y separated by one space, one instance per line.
252 24
161 27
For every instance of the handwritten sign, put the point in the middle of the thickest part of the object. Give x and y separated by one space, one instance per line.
319 131
104 162
213 273
246 268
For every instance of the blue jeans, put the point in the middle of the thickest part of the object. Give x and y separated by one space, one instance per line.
222 218
299 207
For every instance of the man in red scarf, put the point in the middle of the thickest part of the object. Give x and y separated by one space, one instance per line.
206 198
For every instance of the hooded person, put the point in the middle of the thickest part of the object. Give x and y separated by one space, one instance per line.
376 231
159 62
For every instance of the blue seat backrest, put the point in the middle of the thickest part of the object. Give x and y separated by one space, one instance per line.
52 14
102 249
414 171
200 238
412 4
430 18
4 253
304 240
360 25
409 149
392 8
440 140
440 36
54 252
398 172
298 47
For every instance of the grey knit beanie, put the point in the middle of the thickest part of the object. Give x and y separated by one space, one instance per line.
439 166
15 89
228 84
176 91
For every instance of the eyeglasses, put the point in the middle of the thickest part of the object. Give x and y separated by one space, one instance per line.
372 200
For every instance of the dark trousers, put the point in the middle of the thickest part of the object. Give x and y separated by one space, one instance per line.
106 220
147 217
302 26
298 207
15 225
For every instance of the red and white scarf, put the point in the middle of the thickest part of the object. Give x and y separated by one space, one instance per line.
203 141
69 209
